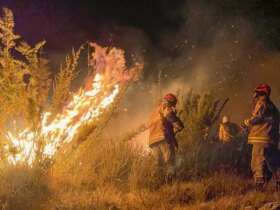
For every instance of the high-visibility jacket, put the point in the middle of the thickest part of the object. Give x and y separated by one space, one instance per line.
264 122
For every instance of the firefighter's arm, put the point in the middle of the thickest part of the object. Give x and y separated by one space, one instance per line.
170 114
178 125
257 115
175 120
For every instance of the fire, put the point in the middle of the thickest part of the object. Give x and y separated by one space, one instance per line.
84 107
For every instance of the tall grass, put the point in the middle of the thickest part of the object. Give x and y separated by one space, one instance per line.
22 188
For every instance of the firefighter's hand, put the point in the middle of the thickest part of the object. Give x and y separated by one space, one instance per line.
245 124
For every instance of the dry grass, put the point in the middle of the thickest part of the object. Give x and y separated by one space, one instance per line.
115 174
23 188
221 191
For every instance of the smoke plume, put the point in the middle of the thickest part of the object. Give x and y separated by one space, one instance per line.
206 54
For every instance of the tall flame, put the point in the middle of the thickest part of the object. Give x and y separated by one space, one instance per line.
86 105
82 109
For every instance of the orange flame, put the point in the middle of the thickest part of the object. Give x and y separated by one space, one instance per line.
85 107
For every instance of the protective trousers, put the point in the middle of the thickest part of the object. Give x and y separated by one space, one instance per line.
265 162
164 154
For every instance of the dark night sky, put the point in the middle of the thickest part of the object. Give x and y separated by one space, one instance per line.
78 21
148 25
71 22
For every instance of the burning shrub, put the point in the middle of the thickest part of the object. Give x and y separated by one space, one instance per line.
25 82
63 81
33 134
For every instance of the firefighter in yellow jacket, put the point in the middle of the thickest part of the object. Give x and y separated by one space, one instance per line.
164 125
263 127
228 130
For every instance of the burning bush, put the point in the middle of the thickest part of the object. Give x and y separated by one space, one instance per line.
38 129
33 134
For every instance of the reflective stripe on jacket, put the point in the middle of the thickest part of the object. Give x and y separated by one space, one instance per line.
264 122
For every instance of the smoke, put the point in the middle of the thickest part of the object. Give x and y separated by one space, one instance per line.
208 53
221 55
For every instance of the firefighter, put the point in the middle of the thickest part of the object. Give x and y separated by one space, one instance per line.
263 128
228 130
164 125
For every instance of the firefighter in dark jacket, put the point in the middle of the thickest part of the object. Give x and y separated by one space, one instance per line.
164 125
263 128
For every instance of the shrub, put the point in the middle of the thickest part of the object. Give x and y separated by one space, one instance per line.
199 151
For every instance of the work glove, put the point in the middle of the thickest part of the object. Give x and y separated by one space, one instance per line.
245 124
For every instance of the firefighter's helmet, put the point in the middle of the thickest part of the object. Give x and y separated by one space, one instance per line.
263 88
225 119
171 99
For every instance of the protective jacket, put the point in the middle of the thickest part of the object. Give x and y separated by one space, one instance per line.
228 131
264 122
164 124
